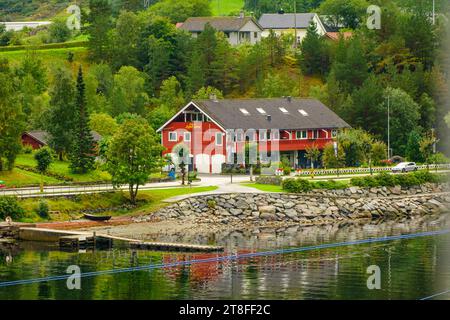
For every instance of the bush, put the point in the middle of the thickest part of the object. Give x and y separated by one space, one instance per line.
364 182
271 180
42 209
44 158
329 185
296 185
405 180
27 149
9 207
385 179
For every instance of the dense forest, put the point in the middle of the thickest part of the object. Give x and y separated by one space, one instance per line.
139 64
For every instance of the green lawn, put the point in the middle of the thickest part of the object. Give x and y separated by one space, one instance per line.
225 7
264 187
62 168
49 56
22 178
63 209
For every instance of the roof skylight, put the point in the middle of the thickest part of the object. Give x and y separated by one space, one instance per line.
261 110
303 112
244 111
283 110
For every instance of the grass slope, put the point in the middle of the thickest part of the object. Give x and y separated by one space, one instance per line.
22 178
63 209
225 7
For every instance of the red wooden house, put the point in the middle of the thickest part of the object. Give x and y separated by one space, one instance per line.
212 132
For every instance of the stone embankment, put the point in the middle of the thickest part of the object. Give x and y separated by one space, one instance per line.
316 207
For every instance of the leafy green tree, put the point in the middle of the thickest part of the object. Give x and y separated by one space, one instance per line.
98 28
312 154
44 158
59 120
125 38
314 58
275 87
350 65
58 31
82 155
128 93
103 124
329 158
412 151
11 117
133 154
171 94
427 147
347 13
206 93
404 118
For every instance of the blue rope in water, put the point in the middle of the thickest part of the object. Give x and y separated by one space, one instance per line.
226 258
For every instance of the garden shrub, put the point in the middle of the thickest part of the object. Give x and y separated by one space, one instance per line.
271 180
328 185
388 180
27 149
296 185
43 209
385 179
9 207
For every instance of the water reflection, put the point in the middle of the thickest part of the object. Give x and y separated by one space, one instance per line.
410 269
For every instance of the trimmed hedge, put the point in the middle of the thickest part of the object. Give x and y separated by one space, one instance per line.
390 180
297 185
271 180
329 185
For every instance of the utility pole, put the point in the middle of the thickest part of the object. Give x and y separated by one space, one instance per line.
295 24
389 129
434 12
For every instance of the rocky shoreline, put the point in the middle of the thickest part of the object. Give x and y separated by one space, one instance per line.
314 208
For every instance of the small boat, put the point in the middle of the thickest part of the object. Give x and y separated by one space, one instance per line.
97 218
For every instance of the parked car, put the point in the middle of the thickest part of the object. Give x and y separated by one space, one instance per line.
405 167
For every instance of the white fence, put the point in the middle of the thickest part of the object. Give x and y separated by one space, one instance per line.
343 171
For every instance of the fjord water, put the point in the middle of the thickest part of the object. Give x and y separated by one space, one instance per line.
410 268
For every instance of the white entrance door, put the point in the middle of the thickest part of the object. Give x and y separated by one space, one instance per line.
202 163
217 161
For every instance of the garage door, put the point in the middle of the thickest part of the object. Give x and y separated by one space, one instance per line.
202 163
217 161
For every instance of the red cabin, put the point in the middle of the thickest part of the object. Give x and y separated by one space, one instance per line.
213 132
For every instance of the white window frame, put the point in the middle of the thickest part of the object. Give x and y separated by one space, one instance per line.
314 135
334 133
185 135
219 140
262 135
299 134
176 136
273 136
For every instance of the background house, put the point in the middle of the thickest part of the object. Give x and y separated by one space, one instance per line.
288 23
237 29
39 138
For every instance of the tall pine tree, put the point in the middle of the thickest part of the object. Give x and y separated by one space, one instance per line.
82 155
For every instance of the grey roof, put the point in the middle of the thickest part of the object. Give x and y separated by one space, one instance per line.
285 20
39 135
227 113
43 136
225 24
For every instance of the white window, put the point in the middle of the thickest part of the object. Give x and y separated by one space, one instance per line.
219 137
261 110
262 135
316 134
187 136
173 136
283 110
244 111
238 136
334 133
275 135
301 135
303 112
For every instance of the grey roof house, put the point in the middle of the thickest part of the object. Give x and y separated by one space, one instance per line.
237 29
290 23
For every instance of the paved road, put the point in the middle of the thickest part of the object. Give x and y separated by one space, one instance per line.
221 181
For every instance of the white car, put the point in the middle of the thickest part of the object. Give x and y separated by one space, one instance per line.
405 167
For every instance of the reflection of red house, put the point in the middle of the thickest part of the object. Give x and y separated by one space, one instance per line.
38 138
214 131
